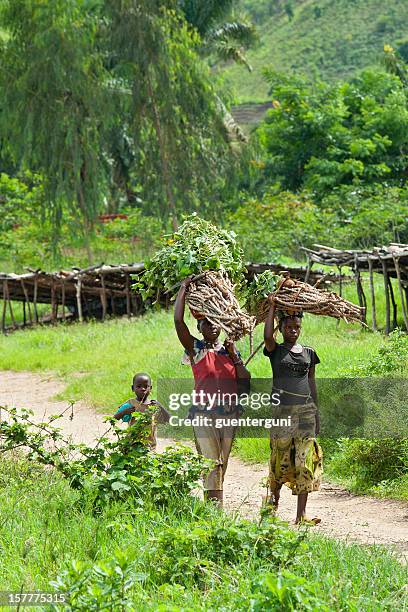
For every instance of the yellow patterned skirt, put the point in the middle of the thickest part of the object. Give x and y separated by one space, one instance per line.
296 461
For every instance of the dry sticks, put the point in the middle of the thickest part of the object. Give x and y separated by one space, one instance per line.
293 295
212 295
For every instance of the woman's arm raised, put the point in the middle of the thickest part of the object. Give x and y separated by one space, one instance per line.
269 330
182 330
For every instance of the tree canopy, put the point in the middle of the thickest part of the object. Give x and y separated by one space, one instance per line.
109 95
320 137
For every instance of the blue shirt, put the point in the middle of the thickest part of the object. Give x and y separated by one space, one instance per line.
126 417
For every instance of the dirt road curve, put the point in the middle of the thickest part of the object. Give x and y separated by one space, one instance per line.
361 519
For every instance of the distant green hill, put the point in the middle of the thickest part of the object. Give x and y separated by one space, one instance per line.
332 39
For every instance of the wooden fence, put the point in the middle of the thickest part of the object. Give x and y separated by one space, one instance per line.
96 292
390 261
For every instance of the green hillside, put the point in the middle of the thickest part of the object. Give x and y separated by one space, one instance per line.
326 38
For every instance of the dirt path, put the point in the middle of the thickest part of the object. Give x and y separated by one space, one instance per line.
361 519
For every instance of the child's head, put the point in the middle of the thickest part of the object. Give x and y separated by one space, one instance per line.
290 326
142 385
210 331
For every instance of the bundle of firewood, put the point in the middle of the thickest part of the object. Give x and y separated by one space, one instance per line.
292 296
211 296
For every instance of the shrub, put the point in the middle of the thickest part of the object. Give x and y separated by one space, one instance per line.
115 468
194 555
285 592
278 224
198 552
370 462
106 585
392 358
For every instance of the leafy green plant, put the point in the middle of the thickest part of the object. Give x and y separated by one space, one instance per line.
285 592
195 554
116 468
391 359
102 586
197 246
258 290
371 462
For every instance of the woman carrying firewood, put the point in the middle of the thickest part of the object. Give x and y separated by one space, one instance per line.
218 372
296 457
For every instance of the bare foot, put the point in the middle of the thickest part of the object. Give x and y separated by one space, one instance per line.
303 520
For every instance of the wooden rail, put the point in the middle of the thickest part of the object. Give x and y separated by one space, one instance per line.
390 261
98 292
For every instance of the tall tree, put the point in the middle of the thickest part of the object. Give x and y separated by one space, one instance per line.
224 33
103 95
55 102
172 110
321 137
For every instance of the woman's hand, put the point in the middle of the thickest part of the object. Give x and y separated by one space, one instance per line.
231 349
243 375
186 282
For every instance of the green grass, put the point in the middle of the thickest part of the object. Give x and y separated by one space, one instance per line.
348 36
43 530
396 488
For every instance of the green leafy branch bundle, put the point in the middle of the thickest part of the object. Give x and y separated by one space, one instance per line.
215 260
257 294
196 247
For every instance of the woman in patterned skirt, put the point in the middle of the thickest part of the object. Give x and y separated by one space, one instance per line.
296 457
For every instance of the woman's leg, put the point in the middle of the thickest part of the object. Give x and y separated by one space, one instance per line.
275 496
308 469
301 507
208 444
279 467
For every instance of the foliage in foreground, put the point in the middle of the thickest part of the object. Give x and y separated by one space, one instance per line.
197 557
188 555
118 466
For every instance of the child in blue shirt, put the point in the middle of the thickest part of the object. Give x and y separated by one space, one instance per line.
142 386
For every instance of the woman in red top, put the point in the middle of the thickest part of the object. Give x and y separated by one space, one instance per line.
217 368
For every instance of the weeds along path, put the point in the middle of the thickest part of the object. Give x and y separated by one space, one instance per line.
349 517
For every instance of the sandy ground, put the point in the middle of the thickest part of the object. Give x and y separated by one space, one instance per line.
350 517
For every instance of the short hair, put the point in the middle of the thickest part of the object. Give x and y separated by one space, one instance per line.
139 375
284 316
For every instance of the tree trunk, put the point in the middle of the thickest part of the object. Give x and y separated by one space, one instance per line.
168 184
372 291
88 227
